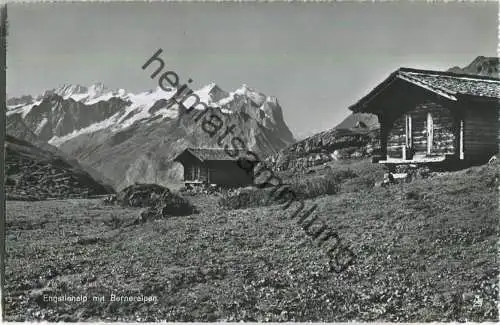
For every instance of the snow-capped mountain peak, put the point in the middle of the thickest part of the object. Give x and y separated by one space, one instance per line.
242 90
65 91
128 134
246 93
211 94
97 89
77 92
120 109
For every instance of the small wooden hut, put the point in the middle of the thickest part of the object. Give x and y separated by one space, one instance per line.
215 166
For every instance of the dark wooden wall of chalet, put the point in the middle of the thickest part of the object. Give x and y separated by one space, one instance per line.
188 173
189 162
228 173
480 131
396 138
444 129
400 97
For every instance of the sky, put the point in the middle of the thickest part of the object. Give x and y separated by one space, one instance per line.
316 58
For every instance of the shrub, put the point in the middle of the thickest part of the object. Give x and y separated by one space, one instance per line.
159 200
413 195
175 205
140 195
313 187
113 222
341 175
245 198
329 184
169 204
303 188
358 184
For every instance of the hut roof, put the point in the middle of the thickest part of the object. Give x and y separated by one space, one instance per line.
447 84
212 154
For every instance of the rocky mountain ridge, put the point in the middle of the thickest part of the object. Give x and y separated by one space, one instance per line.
482 66
133 137
68 111
334 144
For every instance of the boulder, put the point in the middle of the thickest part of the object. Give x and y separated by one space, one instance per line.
141 195
158 201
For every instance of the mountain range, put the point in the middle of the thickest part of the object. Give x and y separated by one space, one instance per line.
131 138
121 138
482 66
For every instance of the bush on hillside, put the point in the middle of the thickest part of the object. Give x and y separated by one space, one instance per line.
307 188
245 198
359 184
302 187
140 195
169 204
159 200
341 175
329 184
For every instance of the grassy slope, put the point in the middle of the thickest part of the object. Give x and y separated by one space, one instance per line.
426 252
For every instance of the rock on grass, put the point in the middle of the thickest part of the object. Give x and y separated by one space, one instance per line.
158 200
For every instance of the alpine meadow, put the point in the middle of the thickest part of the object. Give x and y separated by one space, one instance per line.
255 162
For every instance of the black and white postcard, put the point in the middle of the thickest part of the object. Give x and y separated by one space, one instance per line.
250 161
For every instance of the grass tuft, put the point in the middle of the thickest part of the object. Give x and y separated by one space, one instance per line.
303 188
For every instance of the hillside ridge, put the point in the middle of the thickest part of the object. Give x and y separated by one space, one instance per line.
33 173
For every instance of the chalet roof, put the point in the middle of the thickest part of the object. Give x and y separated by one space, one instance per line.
211 154
447 84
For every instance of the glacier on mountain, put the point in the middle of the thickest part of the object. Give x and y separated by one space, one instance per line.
140 106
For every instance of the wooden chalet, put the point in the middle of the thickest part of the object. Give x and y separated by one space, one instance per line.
215 166
434 117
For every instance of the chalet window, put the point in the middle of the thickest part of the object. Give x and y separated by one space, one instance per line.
195 172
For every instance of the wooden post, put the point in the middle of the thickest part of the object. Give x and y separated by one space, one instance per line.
407 130
461 143
430 129
410 140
